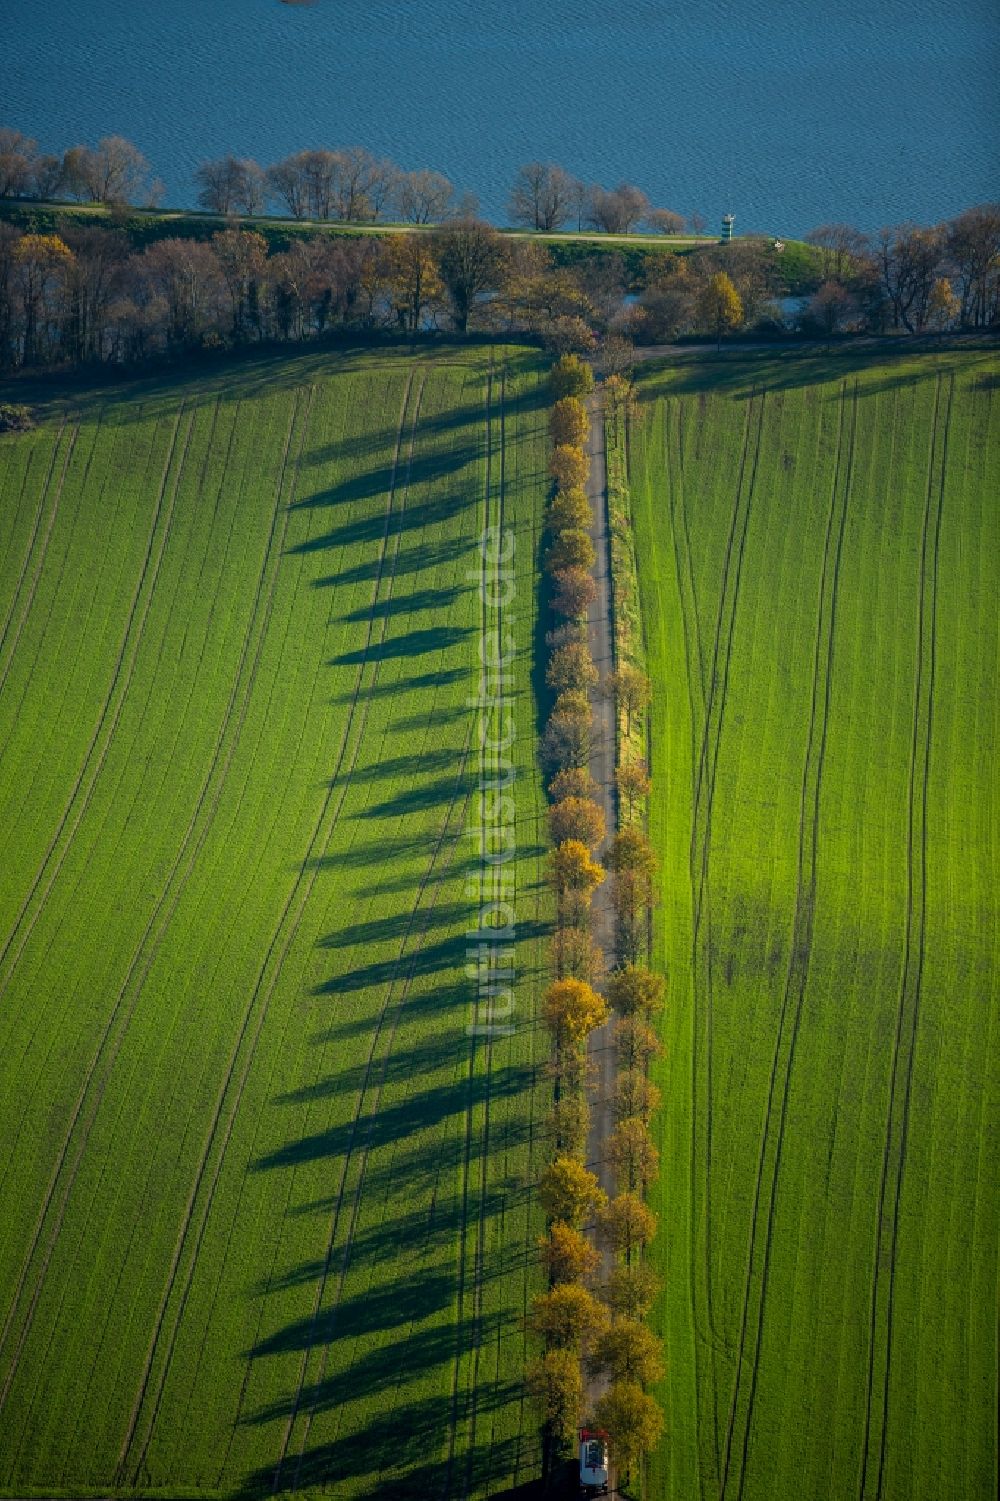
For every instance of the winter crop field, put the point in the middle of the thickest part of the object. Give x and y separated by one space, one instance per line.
268 1217
819 547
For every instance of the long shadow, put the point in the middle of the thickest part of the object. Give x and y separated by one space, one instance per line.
418 643
392 1123
395 925
386 688
414 603
372 527
423 556
413 799
421 469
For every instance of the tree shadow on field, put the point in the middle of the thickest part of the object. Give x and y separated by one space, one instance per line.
417 643
417 602
388 688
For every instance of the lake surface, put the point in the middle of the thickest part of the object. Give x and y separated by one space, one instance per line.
789 112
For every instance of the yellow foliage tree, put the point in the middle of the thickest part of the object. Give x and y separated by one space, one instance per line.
568 422
568 1316
573 1009
568 1191
577 818
627 1224
569 467
556 1383
628 1351
632 1420
568 1254
720 307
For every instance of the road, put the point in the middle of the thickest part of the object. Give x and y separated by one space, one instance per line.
600 1047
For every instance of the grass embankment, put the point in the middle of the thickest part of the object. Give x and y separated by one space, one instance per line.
819 549
266 1222
797 265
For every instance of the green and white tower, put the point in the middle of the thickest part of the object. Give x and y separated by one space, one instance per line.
728 220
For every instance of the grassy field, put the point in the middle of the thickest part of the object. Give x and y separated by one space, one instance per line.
265 1224
819 545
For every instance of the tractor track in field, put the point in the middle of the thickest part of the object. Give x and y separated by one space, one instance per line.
30 549
124 667
494 495
149 569
796 978
148 948
703 798
288 923
877 1393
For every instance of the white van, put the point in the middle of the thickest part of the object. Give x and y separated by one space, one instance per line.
593 1462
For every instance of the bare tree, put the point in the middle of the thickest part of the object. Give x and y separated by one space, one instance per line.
542 196
219 184
973 248
121 172
286 181
619 211
910 260
17 158
423 197
840 246
665 221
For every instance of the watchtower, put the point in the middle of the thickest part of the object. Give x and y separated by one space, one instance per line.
728 220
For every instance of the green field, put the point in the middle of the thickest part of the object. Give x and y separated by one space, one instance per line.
819 546
265 1223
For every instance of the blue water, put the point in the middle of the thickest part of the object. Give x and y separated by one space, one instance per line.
790 112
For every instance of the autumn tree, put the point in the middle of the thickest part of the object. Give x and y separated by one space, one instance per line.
634 991
636 1043
115 172
719 307
571 376
574 781
633 1154
568 509
632 1420
575 874
572 1010
631 1291
632 851
617 356
634 786
568 422
573 592
569 735
631 691
415 286
42 265
571 548
571 666
568 1316
568 1254
943 307
627 1224
242 256
542 196
632 895
556 1383
568 1121
470 260
628 1350
577 818
568 1191
839 247
830 308
574 951
634 1096
569 466
910 260
973 251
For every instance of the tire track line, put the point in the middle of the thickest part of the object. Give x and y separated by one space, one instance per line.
877 1393
249 1034
793 997
494 502
149 571
96 751
174 885
703 807
29 550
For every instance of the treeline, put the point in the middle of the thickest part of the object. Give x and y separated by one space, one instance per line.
348 185
589 1320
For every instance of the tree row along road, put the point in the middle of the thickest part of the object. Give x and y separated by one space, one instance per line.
600 1046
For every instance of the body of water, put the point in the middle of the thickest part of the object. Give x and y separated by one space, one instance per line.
788 112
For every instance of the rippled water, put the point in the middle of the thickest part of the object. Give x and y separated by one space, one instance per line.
790 112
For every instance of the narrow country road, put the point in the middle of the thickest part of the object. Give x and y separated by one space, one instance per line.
602 765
